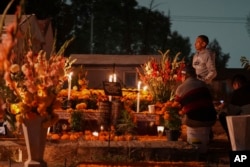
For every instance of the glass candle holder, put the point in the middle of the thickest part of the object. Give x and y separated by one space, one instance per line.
160 130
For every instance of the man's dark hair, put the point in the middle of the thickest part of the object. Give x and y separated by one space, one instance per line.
240 79
189 71
204 38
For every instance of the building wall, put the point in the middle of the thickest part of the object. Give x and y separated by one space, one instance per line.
100 67
126 76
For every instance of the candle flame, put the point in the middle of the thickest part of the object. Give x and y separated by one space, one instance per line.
95 134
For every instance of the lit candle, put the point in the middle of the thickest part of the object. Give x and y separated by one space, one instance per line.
48 130
110 80
101 128
20 155
138 96
69 84
114 76
160 130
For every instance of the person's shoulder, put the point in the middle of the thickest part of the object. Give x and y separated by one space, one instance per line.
208 51
192 82
245 88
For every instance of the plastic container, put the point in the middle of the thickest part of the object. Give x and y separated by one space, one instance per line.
199 137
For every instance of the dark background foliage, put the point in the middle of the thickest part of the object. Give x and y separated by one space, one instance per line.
112 27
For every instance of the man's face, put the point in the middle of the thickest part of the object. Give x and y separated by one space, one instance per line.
236 85
199 44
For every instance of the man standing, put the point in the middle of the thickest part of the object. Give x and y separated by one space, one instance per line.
204 60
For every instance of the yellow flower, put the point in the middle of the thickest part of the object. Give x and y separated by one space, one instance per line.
14 68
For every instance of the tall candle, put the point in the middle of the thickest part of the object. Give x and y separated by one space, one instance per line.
138 96
20 155
69 84
48 131
114 76
110 80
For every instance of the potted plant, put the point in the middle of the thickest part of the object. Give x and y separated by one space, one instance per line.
125 125
172 120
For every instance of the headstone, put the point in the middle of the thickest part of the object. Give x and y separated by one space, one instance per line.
239 132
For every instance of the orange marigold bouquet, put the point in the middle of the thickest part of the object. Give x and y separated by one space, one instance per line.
173 115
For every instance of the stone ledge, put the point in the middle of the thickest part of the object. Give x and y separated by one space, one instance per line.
103 151
145 149
121 151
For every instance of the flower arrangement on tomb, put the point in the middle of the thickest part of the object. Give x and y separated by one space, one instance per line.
33 80
162 77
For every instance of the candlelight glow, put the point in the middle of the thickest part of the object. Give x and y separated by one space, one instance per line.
160 129
114 75
138 96
95 134
110 78
101 128
139 86
48 131
69 84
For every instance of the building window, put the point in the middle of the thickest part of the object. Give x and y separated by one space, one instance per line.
130 79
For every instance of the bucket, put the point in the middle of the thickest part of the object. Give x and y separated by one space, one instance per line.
199 136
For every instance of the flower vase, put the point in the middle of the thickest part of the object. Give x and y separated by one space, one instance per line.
173 135
35 139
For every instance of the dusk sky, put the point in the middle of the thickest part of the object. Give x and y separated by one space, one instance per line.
223 20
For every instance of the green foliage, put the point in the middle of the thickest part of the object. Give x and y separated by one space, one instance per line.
11 119
7 94
119 27
245 62
76 121
125 27
173 120
221 58
125 124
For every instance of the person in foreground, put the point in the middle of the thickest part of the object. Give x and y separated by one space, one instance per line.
204 60
197 105
239 103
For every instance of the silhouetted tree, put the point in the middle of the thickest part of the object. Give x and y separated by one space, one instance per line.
12 9
221 58
176 43
119 27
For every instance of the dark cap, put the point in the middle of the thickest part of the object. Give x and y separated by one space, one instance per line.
189 70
